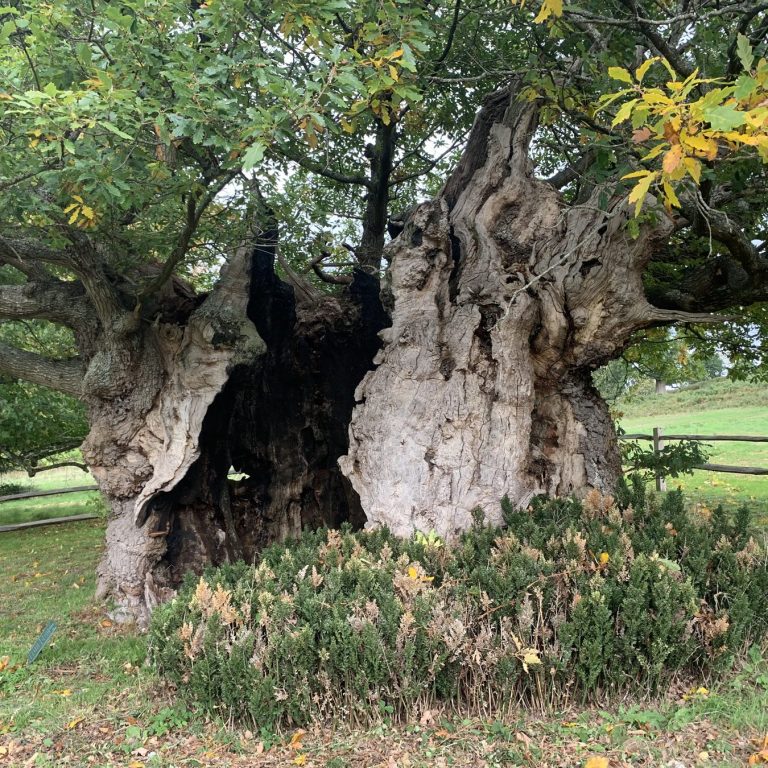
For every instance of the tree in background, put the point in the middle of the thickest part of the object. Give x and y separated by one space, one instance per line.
662 356
589 172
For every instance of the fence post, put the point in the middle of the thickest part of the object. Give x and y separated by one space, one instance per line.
658 444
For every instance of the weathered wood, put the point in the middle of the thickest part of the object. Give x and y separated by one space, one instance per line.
733 470
56 492
658 445
49 521
734 438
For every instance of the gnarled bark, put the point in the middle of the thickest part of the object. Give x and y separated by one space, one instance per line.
504 299
251 381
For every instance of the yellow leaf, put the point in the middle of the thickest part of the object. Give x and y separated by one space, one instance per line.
72 220
624 113
299 759
604 558
549 8
693 167
412 572
672 199
393 73
672 159
4 661
71 207
65 692
640 190
640 72
597 762
619 73
78 198
72 724
655 152
295 742
397 54
135 764
87 211
699 143
635 174
531 657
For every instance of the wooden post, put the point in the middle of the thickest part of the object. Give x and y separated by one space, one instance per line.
658 444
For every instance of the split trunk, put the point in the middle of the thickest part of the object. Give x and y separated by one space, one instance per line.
474 384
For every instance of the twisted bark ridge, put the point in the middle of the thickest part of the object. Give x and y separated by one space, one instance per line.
504 300
148 399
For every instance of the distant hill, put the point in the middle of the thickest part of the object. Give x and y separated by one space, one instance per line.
715 394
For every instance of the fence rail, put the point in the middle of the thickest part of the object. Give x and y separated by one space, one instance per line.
56 492
734 438
658 437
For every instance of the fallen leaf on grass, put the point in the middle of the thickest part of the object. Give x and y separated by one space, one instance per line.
135 764
72 724
106 623
64 692
299 759
4 662
597 762
295 742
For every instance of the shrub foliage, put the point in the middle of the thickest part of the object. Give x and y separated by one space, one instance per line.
570 599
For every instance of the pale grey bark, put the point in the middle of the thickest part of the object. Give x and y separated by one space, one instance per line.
504 299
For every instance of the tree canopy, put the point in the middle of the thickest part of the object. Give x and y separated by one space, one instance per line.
132 132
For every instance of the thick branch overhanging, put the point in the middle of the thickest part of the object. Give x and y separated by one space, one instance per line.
55 301
62 375
82 258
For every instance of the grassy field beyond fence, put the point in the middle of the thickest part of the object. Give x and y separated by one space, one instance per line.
46 507
712 408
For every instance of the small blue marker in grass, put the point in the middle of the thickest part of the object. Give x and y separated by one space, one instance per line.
41 641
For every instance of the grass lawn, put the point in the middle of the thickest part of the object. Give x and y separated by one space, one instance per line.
719 408
27 510
88 700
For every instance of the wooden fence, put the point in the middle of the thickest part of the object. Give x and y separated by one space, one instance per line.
49 521
658 437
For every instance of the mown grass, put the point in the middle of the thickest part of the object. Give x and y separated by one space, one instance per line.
46 507
713 408
88 700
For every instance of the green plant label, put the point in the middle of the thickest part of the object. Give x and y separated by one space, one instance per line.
41 641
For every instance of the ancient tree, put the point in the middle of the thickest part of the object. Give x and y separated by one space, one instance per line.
366 255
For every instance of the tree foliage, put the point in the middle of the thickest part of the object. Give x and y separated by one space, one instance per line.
133 134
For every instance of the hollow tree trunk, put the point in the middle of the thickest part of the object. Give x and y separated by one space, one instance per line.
149 390
251 380
504 300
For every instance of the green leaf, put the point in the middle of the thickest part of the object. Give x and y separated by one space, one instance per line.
253 156
624 112
724 118
744 51
619 73
745 86
114 129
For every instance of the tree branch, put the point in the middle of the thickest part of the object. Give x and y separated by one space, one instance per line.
62 375
573 171
194 212
55 301
322 170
